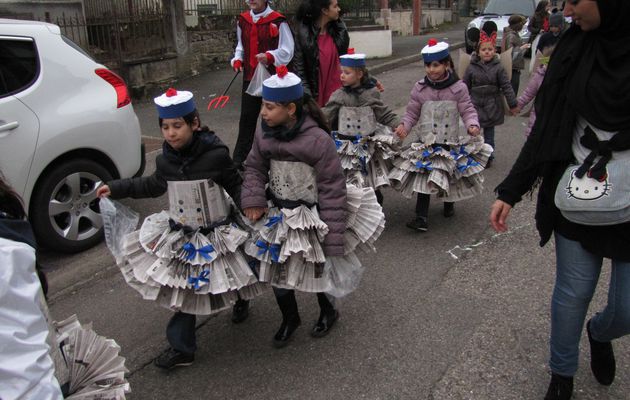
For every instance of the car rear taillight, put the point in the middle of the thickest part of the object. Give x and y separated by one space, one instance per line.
122 94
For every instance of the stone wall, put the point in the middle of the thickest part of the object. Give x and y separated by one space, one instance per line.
401 21
210 49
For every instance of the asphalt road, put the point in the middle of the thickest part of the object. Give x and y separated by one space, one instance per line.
456 313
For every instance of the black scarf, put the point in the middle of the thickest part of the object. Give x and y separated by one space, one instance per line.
281 132
588 75
451 79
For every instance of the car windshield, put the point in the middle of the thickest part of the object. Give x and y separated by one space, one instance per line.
508 7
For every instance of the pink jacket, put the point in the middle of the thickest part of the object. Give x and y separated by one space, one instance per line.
316 148
421 93
530 93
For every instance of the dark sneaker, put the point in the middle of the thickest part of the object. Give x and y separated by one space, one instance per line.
418 224
603 363
560 388
284 334
324 324
240 311
172 358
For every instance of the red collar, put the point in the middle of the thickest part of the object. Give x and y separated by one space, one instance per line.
272 16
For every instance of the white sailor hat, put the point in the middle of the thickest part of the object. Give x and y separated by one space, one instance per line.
283 86
174 103
352 59
434 51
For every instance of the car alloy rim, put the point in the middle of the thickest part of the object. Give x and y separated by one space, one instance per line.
73 206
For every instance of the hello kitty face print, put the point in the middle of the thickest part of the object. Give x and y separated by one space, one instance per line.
587 188
355 121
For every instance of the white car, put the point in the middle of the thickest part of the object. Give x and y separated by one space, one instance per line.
499 11
66 126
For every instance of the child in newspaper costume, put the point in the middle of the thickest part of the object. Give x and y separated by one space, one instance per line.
189 259
443 155
362 126
307 222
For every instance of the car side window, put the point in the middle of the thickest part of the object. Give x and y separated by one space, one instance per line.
18 64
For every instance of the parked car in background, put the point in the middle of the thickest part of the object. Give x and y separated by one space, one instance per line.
499 11
66 125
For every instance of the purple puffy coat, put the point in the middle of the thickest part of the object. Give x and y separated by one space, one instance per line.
421 93
530 93
316 148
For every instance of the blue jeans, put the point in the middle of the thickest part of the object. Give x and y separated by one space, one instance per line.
488 137
576 279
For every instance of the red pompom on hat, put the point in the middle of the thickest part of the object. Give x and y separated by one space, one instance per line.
350 50
282 71
432 42
171 92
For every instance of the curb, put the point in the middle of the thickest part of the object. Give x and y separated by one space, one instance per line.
399 62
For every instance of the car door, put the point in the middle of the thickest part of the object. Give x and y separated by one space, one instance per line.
19 126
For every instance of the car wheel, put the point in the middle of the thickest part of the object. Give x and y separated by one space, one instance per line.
64 209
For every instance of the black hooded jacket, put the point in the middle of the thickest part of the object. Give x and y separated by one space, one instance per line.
588 76
206 157
306 55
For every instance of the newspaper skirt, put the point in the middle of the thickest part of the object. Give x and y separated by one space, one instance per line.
196 272
452 172
367 160
288 244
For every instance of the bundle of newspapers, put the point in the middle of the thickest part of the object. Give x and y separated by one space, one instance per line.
87 365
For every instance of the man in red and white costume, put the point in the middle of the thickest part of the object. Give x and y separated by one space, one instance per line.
264 37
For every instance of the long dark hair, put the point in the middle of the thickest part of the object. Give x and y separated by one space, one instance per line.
10 202
307 105
541 8
309 11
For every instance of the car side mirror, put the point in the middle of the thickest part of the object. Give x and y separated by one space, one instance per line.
476 12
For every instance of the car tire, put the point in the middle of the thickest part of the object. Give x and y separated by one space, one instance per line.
64 209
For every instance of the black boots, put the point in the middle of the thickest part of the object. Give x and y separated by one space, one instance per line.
449 209
603 363
290 317
327 317
560 388
240 311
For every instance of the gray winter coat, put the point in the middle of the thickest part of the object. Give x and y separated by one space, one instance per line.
359 97
487 83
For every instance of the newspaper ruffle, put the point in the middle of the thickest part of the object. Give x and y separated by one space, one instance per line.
288 244
453 172
90 362
367 160
192 272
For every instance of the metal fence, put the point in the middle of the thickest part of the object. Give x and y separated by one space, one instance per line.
127 31
232 7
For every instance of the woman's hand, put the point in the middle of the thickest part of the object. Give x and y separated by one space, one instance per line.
474 130
254 213
400 131
262 58
103 191
499 214
526 46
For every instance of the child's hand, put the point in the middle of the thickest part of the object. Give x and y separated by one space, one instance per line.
254 213
103 191
515 111
400 131
474 131
379 86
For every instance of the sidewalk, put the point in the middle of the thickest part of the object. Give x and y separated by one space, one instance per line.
205 86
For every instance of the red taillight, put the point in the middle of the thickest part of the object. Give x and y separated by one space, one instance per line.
122 94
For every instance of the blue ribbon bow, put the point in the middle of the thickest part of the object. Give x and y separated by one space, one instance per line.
273 249
196 280
469 163
457 154
338 143
273 220
357 139
424 165
190 251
